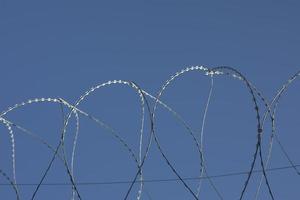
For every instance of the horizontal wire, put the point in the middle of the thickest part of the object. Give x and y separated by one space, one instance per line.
156 180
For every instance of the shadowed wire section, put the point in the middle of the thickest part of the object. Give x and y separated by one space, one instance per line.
148 138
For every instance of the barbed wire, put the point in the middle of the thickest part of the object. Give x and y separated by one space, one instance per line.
149 110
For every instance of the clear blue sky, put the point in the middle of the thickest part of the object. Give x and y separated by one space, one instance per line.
62 48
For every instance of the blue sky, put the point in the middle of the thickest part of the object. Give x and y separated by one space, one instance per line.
62 48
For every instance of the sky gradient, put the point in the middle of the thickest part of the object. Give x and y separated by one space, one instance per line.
60 49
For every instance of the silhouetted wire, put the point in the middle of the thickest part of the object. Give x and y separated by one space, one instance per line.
113 132
60 144
275 103
259 129
68 105
188 128
36 100
11 183
149 141
20 105
38 138
203 169
131 84
272 117
92 90
159 180
286 155
266 113
258 122
108 128
74 146
167 83
13 154
222 70
190 131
